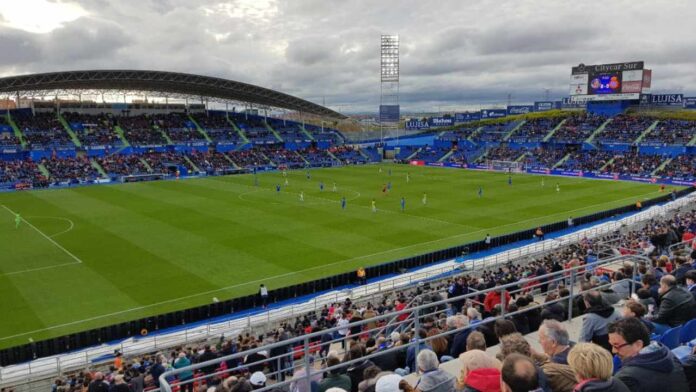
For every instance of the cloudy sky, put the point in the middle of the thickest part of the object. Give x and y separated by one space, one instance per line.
453 53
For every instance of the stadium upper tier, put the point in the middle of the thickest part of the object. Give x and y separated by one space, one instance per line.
46 147
161 82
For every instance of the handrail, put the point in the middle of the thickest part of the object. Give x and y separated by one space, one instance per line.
571 273
52 366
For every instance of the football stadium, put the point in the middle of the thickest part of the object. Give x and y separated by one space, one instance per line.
189 228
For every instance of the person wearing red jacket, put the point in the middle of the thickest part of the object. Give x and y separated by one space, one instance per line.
493 298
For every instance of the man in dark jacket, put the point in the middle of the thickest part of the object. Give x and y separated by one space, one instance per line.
596 320
677 306
458 346
356 370
646 367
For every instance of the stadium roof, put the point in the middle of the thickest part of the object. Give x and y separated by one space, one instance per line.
165 82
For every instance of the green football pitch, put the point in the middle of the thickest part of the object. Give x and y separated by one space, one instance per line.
92 256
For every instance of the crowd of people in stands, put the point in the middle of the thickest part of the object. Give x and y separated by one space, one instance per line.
634 164
614 321
494 133
72 170
212 162
504 153
139 131
43 130
534 130
544 158
217 127
682 166
624 129
122 165
249 158
670 132
22 171
578 127
8 139
587 160
93 130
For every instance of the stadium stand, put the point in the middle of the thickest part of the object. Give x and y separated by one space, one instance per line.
138 131
624 129
671 132
548 300
535 130
93 130
43 130
578 128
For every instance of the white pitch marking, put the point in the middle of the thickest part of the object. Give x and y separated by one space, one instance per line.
77 259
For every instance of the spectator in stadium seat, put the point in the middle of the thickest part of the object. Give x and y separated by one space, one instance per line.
560 378
334 377
183 361
554 340
690 278
494 298
646 366
519 374
98 384
411 352
593 366
682 268
476 341
356 370
257 380
458 346
597 318
433 379
677 305
480 372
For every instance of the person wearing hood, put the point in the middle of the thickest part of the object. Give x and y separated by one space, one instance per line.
593 367
480 372
433 379
646 366
597 318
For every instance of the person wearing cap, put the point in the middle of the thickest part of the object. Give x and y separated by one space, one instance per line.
257 380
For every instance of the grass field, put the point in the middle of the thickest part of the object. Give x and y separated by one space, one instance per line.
92 256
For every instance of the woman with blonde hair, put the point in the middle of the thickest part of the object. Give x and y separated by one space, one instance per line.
593 367
480 372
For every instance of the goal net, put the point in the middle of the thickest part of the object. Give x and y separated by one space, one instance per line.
506 166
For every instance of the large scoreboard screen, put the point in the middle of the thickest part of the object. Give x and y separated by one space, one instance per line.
606 81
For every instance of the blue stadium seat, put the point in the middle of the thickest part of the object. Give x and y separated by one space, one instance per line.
671 337
688 332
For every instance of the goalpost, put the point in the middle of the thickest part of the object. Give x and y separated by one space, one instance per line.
506 166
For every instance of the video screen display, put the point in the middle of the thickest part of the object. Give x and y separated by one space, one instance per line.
605 83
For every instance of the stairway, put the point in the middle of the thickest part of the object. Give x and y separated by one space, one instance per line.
164 135
304 130
303 158
646 132
606 165
193 165
414 153
474 134
553 131
561 161
98 168
662 166
598 131
17 132
446 156
334 157
69 130
121 135
43 170
276 134
240 132
200 129
513 130
521 157
147 165
231 161
692 142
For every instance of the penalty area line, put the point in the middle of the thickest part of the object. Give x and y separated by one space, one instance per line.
51 240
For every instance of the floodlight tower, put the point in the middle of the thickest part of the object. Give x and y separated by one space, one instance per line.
389 113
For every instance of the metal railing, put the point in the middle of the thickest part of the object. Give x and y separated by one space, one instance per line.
53 366
292 361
